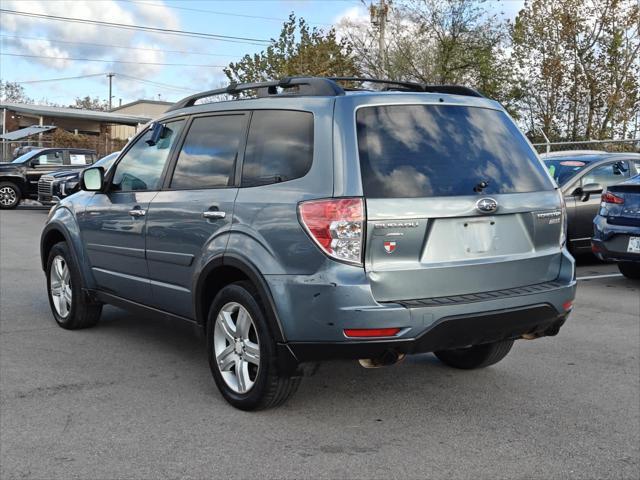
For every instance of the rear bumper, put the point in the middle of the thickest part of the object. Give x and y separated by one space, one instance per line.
446 333
314 311
610 242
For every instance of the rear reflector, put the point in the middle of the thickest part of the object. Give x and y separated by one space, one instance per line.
567 305
608 197
371 332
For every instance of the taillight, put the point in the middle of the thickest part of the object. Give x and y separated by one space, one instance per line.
608 197
336 225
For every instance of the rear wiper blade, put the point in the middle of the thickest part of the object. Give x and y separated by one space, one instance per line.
481 186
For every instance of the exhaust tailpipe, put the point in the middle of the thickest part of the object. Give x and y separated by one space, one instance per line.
389 357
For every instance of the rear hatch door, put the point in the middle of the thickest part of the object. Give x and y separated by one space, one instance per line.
457 203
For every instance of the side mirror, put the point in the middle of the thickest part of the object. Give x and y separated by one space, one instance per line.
156 134
92 179
587 190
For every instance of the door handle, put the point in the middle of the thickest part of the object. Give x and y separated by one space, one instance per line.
214 214
137 212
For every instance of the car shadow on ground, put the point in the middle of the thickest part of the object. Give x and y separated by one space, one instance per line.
337 384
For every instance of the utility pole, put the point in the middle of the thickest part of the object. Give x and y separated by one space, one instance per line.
110 75
379 16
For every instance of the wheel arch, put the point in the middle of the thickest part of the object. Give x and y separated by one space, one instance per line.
224 270
56 231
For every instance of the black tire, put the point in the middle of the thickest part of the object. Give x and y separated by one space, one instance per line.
271 387
476 356
10 195
630 269
83 312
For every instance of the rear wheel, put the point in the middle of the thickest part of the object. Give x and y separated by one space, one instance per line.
9 195
242 352
70 306
476 356
630 269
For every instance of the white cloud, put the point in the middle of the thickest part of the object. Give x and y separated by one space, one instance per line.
356 14
53 32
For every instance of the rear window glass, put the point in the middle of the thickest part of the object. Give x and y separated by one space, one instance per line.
279 147
443 150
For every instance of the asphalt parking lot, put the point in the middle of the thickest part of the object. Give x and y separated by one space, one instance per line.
133 398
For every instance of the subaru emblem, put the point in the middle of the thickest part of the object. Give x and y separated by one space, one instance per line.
487 205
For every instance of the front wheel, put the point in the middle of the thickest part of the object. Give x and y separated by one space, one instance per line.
476 356
630 269
242 352
9 195
70 306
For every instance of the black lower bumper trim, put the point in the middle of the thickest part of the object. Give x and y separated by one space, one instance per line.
449 332
605 254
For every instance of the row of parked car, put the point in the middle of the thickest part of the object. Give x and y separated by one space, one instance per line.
51 174
602 195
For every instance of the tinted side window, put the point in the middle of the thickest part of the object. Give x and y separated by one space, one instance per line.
279 147
208 156
443 150
608 174
50 158
141 167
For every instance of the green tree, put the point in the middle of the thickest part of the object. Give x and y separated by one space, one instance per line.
13 92
579 63
298 51
88 103
438 42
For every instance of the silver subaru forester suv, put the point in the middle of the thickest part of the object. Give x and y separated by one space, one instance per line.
302 220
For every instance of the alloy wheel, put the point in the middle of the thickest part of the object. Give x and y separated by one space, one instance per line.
60 284
8 196
236 347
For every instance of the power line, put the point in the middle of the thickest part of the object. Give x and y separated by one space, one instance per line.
119 46
116 74
156 84
212 36
60 79
215 12
111 61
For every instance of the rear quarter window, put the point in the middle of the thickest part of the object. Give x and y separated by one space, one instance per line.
443 150
279 147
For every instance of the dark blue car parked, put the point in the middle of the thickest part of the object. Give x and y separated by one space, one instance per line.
617 227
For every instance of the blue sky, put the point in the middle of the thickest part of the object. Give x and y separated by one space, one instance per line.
60 40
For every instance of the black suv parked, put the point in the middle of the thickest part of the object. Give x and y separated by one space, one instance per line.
19 179
58 185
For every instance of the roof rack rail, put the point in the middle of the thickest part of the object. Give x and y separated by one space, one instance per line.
321 87
414 86
313 86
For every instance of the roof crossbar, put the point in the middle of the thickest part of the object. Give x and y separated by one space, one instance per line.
312 86
320 87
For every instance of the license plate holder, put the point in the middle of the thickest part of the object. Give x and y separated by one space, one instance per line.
634 245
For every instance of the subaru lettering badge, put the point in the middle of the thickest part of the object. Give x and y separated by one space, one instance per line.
487 205
389 247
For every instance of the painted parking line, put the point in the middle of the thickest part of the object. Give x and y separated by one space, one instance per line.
605 275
